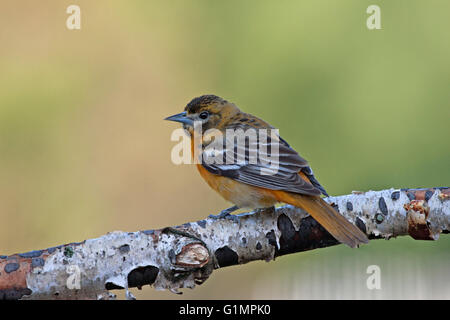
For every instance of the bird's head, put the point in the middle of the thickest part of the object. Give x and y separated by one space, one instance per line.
209 110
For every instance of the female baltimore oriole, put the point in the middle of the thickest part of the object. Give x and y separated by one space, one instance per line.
242 182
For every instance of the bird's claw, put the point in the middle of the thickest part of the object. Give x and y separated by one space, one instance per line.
225 214
265 210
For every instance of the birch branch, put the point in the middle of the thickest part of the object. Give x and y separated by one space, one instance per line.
186 255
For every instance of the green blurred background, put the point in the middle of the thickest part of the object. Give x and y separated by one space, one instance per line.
84 149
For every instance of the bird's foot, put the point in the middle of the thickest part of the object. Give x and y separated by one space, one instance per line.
226 214
265 210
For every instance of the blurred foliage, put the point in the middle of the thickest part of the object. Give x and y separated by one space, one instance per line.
84 150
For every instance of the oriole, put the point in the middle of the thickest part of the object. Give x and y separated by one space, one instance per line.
244 185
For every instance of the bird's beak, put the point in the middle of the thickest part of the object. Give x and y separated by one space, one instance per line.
181 117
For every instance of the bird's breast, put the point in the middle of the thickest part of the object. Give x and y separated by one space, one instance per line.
241 194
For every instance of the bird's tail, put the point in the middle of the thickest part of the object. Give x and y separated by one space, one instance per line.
338 226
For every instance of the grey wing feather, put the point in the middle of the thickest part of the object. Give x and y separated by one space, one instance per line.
261 174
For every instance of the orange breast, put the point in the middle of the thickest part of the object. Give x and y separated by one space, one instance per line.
241 194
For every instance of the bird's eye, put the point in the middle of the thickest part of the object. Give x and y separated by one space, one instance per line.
204 115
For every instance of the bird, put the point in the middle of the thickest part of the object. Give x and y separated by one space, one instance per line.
243 183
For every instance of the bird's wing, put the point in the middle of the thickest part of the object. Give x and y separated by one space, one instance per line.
265 172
